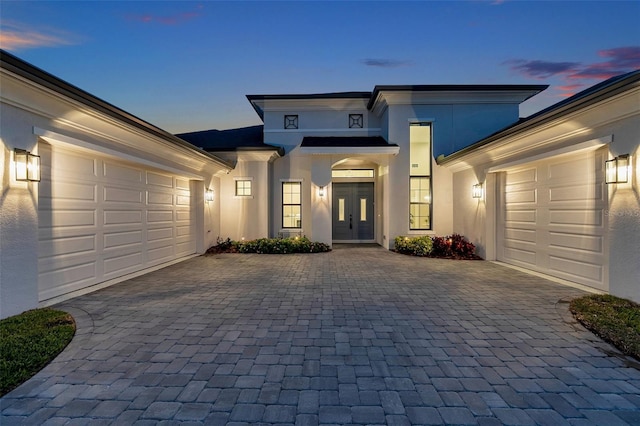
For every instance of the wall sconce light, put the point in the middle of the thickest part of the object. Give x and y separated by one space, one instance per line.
27 166
208 195
617 170
476 191
321 191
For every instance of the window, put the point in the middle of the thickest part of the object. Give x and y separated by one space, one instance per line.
292 205
352 173
243 187
290 121
420 201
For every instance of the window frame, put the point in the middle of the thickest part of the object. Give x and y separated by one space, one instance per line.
243 179
283 204
422 176
291 121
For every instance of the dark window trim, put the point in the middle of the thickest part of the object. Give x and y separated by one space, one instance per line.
430 176
290 204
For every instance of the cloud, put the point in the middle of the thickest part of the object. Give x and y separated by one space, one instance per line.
577 75
621 60
15 36
542 69
175 19
385 63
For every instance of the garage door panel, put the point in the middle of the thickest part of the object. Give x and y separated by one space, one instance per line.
518 234
583 218
160 216
121 239
116 172
184 248
582 193
121 217
75 166
101 219
65 190
67 279
66 218
572 268
529 175
183 200
159 180
122 264
160 255
57 247
183 215
521 196
590 243
159 234
183 184
123 195
160 198
527 257
183 231
521 216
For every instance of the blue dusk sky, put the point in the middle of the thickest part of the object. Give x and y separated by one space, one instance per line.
186 66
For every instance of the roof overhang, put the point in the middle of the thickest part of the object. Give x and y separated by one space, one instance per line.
450 94
350 150
313 101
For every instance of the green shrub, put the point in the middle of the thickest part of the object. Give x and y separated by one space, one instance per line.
270 246
452 246
415 246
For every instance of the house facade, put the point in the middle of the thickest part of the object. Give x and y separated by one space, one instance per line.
118 196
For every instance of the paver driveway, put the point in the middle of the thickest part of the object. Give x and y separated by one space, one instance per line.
356 336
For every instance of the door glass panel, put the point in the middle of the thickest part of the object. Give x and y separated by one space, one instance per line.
341 209
363 209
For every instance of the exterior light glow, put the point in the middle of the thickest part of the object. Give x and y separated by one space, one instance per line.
476 191
617 170
208 195
27 166
321 191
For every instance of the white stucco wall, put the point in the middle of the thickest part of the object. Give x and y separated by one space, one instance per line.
18 220
623 215
245 217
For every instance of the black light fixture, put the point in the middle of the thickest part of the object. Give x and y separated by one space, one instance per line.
208 195
617 169
27 166
321 191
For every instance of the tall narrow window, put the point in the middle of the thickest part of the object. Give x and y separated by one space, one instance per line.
291 204
420 201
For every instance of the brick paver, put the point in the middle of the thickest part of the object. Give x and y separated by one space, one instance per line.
360 335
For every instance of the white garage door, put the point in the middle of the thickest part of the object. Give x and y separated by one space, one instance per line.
552 218
100 219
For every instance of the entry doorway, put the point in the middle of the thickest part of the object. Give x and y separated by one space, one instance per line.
352 212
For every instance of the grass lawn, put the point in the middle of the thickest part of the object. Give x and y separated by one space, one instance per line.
29 341
615 320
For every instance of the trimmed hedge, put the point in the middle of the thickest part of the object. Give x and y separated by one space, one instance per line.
270 246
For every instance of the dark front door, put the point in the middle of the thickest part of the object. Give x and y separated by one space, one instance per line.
352 211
